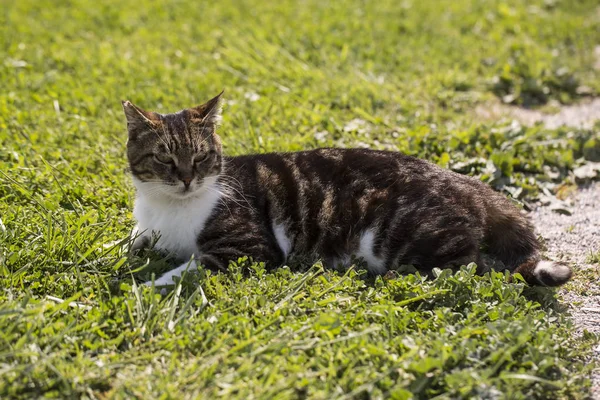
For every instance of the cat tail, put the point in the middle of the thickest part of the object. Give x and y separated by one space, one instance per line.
511 239
544 273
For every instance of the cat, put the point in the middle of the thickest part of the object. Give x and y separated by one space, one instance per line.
383 208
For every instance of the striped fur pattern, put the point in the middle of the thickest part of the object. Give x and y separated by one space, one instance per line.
384 209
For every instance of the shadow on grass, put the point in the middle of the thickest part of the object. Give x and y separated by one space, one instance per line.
142 265
149 262
547 297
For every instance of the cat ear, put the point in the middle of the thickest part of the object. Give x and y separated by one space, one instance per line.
138 118
209 113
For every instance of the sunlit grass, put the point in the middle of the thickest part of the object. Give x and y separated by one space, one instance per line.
395 75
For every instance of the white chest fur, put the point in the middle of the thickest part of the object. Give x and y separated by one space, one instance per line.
176 223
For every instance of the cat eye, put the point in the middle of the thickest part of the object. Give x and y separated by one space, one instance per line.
164 159
199 158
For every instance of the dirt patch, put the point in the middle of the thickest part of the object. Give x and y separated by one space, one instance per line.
581 115
572 239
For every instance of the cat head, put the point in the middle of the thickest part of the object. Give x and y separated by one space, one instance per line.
174 155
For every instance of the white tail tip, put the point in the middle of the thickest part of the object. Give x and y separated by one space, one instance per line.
550 273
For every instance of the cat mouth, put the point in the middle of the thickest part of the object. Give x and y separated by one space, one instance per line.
184 192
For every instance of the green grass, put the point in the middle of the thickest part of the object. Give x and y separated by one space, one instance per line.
399 75
593 258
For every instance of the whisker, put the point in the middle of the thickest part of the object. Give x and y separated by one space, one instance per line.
230 186
232 198
222 198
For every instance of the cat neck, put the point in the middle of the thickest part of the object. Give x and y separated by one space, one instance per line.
176 222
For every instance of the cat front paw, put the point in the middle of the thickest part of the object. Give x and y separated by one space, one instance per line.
138 242
170 278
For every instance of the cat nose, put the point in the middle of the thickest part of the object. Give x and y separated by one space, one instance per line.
186 181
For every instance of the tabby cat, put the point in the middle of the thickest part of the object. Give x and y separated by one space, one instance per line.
382 208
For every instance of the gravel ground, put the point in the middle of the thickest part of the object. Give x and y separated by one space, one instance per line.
569 238
572 238
581 115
